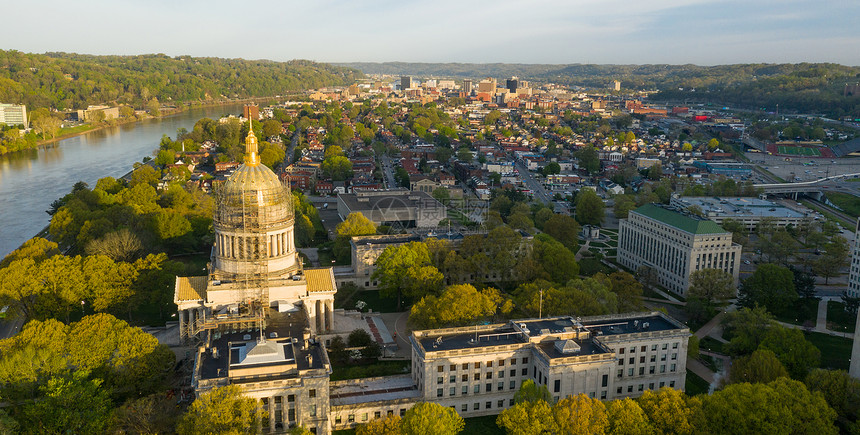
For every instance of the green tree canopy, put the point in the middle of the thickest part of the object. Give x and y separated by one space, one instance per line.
356 224
770 286
223 410
428 418
589 208
762 366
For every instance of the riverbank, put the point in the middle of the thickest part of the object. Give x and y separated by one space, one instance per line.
164 113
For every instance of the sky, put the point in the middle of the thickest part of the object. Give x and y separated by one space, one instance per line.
703 32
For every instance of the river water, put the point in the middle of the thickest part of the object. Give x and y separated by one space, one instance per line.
31 180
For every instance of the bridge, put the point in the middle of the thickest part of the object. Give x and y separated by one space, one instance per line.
817 187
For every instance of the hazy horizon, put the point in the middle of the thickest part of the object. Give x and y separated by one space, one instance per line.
675 32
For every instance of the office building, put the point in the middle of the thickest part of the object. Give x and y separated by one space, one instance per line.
513 84
467 86
675 243
406 83
13 114
488 85
854 271
399 208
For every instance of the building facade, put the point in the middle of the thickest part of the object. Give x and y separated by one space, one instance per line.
398 208
749 211
674 244
854 271
13 114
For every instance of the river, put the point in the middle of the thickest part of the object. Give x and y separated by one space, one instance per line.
31 180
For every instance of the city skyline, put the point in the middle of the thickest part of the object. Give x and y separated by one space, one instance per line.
704 32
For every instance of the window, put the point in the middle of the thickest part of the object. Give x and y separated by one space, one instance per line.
438 392
500 386
312 393
641 371
642 359
525 360
630 371
672 384
402 412
630 388
513 361
489 388
477 389
604 381
364 417
476 406
641 387
672 368
651 386
665 346
513 385
489 363
439 369
377 414
453 367
452 379
621 351
651 370
674 356
675 345
501 364
642 349
621 361
278 400
501 373
653 347
632 360
662 384
618 390
337 420
488 405
489 375
440 379
525 372
662 368
620 373
513 373
663 357
452 391
464 407
465 390
350 418
465 366
477 376
313 412
653 358
500 403
556 386
291 398
465 378
477 365
633 349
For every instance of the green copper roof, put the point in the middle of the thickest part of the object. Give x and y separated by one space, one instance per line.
682 221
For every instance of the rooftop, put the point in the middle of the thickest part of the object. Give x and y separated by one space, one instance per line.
191 288
629 325
283 349
373 390
320 280
739 207
680 219
481 337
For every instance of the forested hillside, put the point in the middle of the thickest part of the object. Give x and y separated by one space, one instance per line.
68 81
803 87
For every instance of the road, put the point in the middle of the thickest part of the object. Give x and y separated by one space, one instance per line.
388 172
288 159
532 183
10 327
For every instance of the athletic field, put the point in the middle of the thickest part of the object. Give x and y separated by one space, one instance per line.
800 151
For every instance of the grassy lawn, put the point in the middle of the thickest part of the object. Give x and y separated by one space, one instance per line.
485 425
598 244
708 362
695 384
838 319
712 344
835 351
376 302
75 130
379 368
848 203
591 266
804 310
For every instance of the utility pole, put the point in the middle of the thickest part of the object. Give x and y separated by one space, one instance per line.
540 306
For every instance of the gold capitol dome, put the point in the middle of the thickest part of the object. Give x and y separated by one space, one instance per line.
253 196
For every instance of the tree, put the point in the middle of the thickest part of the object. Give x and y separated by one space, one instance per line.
531 392
626 417
628 289
69 404
556 262
783 406
793 350
708 288
804 283
464 154
762 366
580 415
841 391
623 205
693 347
713 144
428 418
589 208
381 426
738 230
746 329
564 229
337 167
551 168
669 411
458 305
588 159
406 269
687 147
834 258
528 418
37 249
156 413
356 224
770 286
655 172
271 127
120 245
222 410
